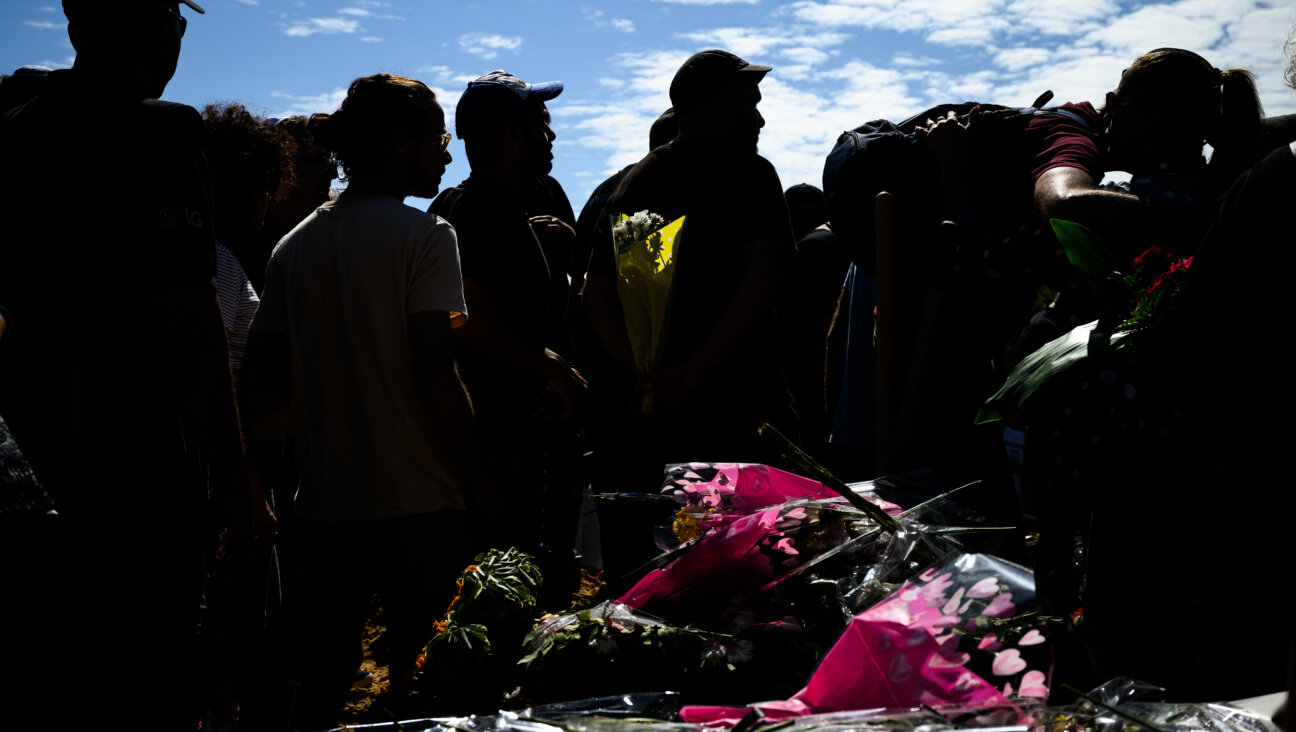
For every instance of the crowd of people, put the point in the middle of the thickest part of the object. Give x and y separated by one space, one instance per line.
238 402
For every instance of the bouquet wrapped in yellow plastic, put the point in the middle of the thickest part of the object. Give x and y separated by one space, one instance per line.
646 250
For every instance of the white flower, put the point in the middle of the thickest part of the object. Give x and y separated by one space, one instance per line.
605 644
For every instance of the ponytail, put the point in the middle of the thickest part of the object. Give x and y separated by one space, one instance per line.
1237 124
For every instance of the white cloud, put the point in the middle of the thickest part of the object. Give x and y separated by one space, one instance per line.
439 72
907 60
709 2
365 12
624 25
1059 18
44 24
308 104
1017 59
250 2
752 43
488 45
311 26
966 35
371 39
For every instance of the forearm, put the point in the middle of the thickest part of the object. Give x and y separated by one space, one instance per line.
447 404
760 280
443 397
490 336
603 313
195 339
1072 194
264 388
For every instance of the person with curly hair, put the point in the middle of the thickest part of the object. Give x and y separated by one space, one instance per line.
314 171
250 162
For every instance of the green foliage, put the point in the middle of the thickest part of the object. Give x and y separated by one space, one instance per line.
1138 300
1040 367
610 649
459 668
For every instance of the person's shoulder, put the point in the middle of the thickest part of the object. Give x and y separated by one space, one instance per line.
654 164
1267 183
458 202
761 165
174 117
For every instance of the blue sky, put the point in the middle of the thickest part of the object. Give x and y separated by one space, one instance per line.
837 63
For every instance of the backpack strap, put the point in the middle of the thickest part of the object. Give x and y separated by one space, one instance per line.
1061 112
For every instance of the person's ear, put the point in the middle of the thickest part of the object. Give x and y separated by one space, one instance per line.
399 138
513 141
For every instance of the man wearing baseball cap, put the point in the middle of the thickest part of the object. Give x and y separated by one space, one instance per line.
116 369
736 240
508 353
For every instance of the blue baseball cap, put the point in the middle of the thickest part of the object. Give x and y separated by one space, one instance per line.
490 101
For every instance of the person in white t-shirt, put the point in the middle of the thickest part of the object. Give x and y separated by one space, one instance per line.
353 334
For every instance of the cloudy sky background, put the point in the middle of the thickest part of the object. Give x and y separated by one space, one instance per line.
837 63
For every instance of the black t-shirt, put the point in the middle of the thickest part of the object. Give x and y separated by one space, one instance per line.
731 199
499 251
107 201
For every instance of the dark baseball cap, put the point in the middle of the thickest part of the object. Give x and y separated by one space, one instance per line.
100 11
490 101
704 71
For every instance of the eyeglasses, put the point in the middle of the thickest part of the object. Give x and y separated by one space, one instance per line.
446 137
172 11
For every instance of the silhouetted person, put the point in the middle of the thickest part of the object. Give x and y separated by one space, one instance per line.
717 381
352 347
519 383
116 379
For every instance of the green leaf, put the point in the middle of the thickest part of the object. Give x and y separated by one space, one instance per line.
1083 249
1039 368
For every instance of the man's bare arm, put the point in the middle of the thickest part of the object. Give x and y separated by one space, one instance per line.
445 400
758 285
603 313
487 335
1071 194
265 387
191 327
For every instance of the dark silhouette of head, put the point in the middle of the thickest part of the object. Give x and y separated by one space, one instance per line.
715 93
503 121
136 41
251 161
357 133
1170 101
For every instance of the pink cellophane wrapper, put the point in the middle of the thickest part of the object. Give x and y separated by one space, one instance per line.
920 646
752 500
744 487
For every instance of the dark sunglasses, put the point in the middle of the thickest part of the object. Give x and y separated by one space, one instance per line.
173 12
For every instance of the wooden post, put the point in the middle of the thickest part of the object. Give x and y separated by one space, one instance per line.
887 387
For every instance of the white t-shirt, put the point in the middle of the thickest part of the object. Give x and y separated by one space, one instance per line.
339 287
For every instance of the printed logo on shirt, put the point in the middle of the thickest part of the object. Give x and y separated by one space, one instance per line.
171 216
